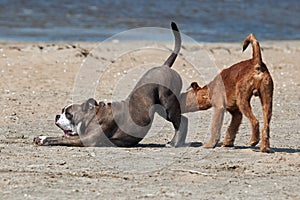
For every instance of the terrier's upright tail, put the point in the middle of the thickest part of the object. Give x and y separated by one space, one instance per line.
171 59
256 54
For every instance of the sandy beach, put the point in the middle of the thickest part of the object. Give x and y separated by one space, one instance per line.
39 79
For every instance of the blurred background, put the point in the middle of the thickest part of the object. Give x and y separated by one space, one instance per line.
204 21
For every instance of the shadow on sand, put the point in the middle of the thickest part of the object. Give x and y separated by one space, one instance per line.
151 145
275 149
199 144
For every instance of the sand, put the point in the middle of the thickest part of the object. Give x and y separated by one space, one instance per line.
39 79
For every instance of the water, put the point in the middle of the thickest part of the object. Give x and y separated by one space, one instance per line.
91 20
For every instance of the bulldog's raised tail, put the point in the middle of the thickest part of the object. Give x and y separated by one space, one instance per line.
256 54
169 62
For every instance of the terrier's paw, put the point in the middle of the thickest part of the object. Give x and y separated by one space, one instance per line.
210 145
254 142
266 150
227 144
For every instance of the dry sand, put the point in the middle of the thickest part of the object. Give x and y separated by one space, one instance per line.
38 79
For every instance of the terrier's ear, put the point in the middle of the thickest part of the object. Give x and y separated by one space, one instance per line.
101 103
195 85
90 104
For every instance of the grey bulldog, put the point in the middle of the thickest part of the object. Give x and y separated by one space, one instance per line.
126 123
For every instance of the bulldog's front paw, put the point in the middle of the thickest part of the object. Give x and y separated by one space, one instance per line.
40 140
169 145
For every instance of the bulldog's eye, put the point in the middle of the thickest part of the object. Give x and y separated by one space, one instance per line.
69 116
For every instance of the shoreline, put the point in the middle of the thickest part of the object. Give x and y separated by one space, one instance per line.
2 41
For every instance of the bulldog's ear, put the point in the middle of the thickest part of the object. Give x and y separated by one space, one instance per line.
90 104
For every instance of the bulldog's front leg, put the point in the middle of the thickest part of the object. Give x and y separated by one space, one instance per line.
40 140
180 134
58 141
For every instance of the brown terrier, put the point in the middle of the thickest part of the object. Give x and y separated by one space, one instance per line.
232 90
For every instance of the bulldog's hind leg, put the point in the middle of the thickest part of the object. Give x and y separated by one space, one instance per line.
180 124
178 139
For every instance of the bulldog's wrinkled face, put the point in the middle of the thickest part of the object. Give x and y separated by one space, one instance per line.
65 120
72 117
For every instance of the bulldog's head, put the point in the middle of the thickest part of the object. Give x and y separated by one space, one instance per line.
75 117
